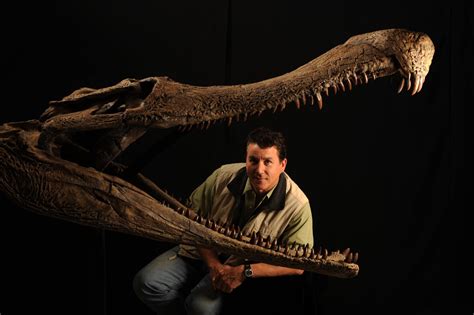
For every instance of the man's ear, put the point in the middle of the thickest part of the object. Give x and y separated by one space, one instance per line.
283 163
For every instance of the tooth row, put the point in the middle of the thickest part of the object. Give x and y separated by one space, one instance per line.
336 84
255 238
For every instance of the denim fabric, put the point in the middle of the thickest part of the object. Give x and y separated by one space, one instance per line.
171 284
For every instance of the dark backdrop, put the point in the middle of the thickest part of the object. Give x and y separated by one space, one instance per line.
388 175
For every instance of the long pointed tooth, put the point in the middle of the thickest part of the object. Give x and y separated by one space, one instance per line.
326 90
366 78
297 101
342 85
346 252
400 87
422 81
409 82
356 79
415 87
348 258
303 98
312 99
229 121
349 83
320 100
240 236
334 87
355 258
312 254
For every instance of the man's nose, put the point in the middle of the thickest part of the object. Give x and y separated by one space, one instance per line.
260 167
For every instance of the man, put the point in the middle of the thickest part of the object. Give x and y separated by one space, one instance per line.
258 196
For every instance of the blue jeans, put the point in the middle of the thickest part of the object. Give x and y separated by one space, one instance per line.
171 284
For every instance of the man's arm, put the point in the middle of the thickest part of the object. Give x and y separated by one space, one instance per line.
226 278
266 270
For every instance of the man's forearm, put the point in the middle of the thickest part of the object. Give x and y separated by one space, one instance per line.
267 270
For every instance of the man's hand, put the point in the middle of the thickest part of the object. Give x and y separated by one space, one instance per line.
226 278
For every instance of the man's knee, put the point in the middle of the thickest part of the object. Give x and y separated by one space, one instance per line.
145 287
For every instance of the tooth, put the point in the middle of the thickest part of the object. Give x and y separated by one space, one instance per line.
274 244
355 258
326 91
409 82
325 253
253 238
346 252
348 258
312 255
342 85
297 101
240 236
303 98
356 80
415 87
402 83
374 76
229 121
306 250
349 83
312 99
320 100
421 83
366 78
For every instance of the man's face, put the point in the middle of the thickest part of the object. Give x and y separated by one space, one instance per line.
263 167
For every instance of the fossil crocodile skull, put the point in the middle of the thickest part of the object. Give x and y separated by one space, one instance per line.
44 168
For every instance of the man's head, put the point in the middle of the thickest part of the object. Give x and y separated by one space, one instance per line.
265 159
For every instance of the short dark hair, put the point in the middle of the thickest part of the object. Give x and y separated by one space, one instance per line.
266 138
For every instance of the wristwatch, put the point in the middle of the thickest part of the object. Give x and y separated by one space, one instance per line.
248 273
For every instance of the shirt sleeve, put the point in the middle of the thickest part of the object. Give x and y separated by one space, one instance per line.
300 229
201 198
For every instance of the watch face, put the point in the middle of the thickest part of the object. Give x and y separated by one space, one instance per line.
248 272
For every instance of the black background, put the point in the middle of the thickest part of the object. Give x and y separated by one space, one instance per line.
389 175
